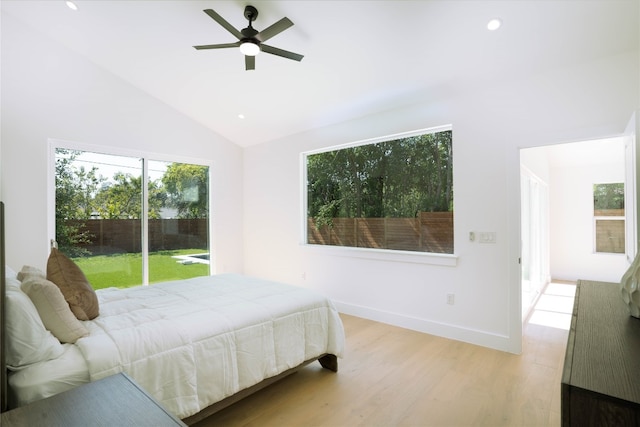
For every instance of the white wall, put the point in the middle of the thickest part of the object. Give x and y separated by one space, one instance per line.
51 92
536 160
489 127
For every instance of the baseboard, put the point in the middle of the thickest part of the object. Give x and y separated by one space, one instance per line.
454 332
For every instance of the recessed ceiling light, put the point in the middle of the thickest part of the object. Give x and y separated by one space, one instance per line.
71 5
241 116
494 24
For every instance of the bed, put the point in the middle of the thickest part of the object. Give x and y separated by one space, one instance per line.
195 345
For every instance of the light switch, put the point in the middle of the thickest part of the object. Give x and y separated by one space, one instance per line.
487 237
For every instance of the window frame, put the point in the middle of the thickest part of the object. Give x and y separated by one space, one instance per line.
597 218
390 255
146 156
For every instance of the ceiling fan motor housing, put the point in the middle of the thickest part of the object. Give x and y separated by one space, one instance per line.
249 33
251 13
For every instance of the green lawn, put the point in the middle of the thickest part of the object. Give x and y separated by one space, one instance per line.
125 270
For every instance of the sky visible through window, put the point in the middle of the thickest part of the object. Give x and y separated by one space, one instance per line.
109 165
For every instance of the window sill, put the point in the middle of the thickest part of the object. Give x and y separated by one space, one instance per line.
389 255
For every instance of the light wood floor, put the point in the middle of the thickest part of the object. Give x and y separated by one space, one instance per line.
396 377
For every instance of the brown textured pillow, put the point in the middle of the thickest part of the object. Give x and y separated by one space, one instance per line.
53 309
74 285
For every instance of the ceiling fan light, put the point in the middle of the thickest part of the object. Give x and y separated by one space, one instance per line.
249 48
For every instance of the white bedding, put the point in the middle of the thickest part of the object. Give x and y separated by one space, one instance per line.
192 343
49 378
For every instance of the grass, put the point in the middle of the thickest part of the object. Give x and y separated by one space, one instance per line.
125 270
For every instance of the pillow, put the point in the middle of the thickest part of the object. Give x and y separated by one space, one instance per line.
74 285
27 339
53 309
9 273
11 279
12 282
28 270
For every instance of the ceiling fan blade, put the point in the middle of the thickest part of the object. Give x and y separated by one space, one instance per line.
250 62
220 20
274 29
284 53
217 46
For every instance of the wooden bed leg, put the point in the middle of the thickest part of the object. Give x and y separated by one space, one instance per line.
329 361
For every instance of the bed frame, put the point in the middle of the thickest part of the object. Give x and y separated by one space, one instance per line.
328 361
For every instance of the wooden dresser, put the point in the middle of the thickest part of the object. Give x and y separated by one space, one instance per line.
601 376
113 401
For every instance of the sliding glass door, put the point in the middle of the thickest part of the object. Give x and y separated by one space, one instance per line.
128 221
178 223
535 237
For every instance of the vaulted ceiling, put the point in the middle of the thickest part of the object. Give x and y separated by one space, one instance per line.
360 57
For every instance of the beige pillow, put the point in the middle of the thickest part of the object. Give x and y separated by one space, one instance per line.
53 309
74 285
29 270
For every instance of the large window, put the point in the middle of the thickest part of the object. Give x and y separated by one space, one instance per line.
393 193
608 214
128 220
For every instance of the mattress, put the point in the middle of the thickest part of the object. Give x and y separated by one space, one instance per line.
194 342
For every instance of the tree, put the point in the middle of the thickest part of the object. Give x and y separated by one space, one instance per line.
187 188
397 178
122 199
608 196
75 188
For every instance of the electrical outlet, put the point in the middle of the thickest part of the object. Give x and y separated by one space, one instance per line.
304 275
451 298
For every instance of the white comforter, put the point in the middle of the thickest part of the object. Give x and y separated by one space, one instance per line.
192 343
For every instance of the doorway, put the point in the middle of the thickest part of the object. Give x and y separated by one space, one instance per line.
558 224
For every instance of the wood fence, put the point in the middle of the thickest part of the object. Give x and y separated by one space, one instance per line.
610 233
428 232
610 236
108 236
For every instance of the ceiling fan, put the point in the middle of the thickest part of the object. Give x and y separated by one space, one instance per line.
250 41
